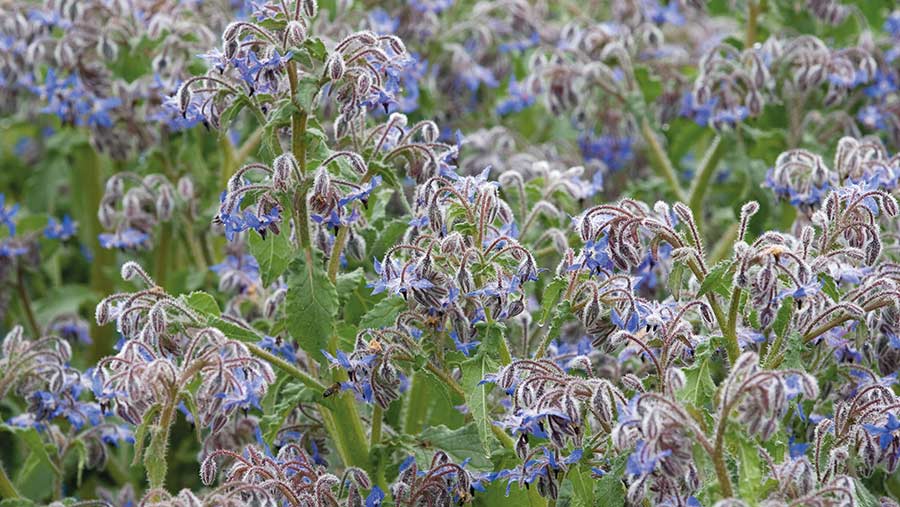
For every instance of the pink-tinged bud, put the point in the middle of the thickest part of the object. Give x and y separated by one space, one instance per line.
310 8
335 66
296 33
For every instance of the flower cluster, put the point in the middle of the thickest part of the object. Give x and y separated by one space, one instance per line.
450 252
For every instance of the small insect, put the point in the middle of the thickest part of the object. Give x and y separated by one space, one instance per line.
332 390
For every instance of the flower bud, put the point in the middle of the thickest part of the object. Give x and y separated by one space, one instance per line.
285 166
296 33
334 67
310 8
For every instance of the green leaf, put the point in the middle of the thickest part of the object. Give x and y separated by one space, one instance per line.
386 236
311 303
864 497
202 303
829 287
793 352
65 299
191 406
290 395
383 314
307 88
582 486
750 465
610 487
39 450
676 279
155 455
140 434
473 371
783 317
279 117
427 390
273 254
717 279
560 314
17 502
550 297
316 48
461 444
699 387
229 114
348 282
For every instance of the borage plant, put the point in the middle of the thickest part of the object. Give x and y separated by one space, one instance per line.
439 253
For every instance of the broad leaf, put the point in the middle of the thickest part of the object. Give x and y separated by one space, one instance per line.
274 254
311 304
718 280
550 297
461 444
383 314
473 371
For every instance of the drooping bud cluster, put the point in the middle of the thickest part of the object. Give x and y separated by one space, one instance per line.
291 477
443 483
460 259
66 56
548 402
166 347
132 212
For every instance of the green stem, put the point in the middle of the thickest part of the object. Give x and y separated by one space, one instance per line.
229 165
162 255
25 302
416 405
719 454
286 367
731 342
155 461
752 23
504 439
377 420
7 489
661 161
733 345
87 183
345 427
334 260
704 173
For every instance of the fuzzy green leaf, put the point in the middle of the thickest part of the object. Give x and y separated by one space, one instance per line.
312 303
473 371
550 298
383 314
273 254
717 280
461 443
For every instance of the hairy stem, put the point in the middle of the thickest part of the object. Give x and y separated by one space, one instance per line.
87 183
377 420
753 12
286 367
704 173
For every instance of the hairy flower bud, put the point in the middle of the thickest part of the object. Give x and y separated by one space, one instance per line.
310 7
334 67
284 168
296 33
